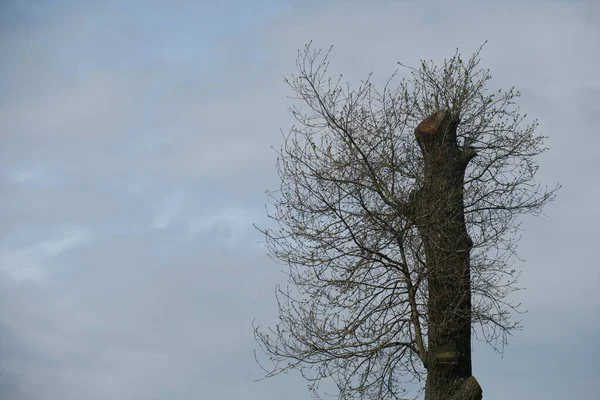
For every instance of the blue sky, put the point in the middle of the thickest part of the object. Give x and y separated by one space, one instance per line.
135 151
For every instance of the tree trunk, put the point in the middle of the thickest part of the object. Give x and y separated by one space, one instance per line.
439 215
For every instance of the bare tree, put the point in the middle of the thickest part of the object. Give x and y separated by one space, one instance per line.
397 217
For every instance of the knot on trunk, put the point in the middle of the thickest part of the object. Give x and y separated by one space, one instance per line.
469 389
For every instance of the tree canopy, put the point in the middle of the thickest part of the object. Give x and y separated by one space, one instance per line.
382 190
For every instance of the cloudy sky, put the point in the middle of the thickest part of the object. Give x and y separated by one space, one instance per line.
134 154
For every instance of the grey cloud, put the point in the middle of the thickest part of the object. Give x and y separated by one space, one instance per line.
113 120
136 306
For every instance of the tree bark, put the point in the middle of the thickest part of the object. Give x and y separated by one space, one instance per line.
439 216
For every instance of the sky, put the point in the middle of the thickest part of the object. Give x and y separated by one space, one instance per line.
135 151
